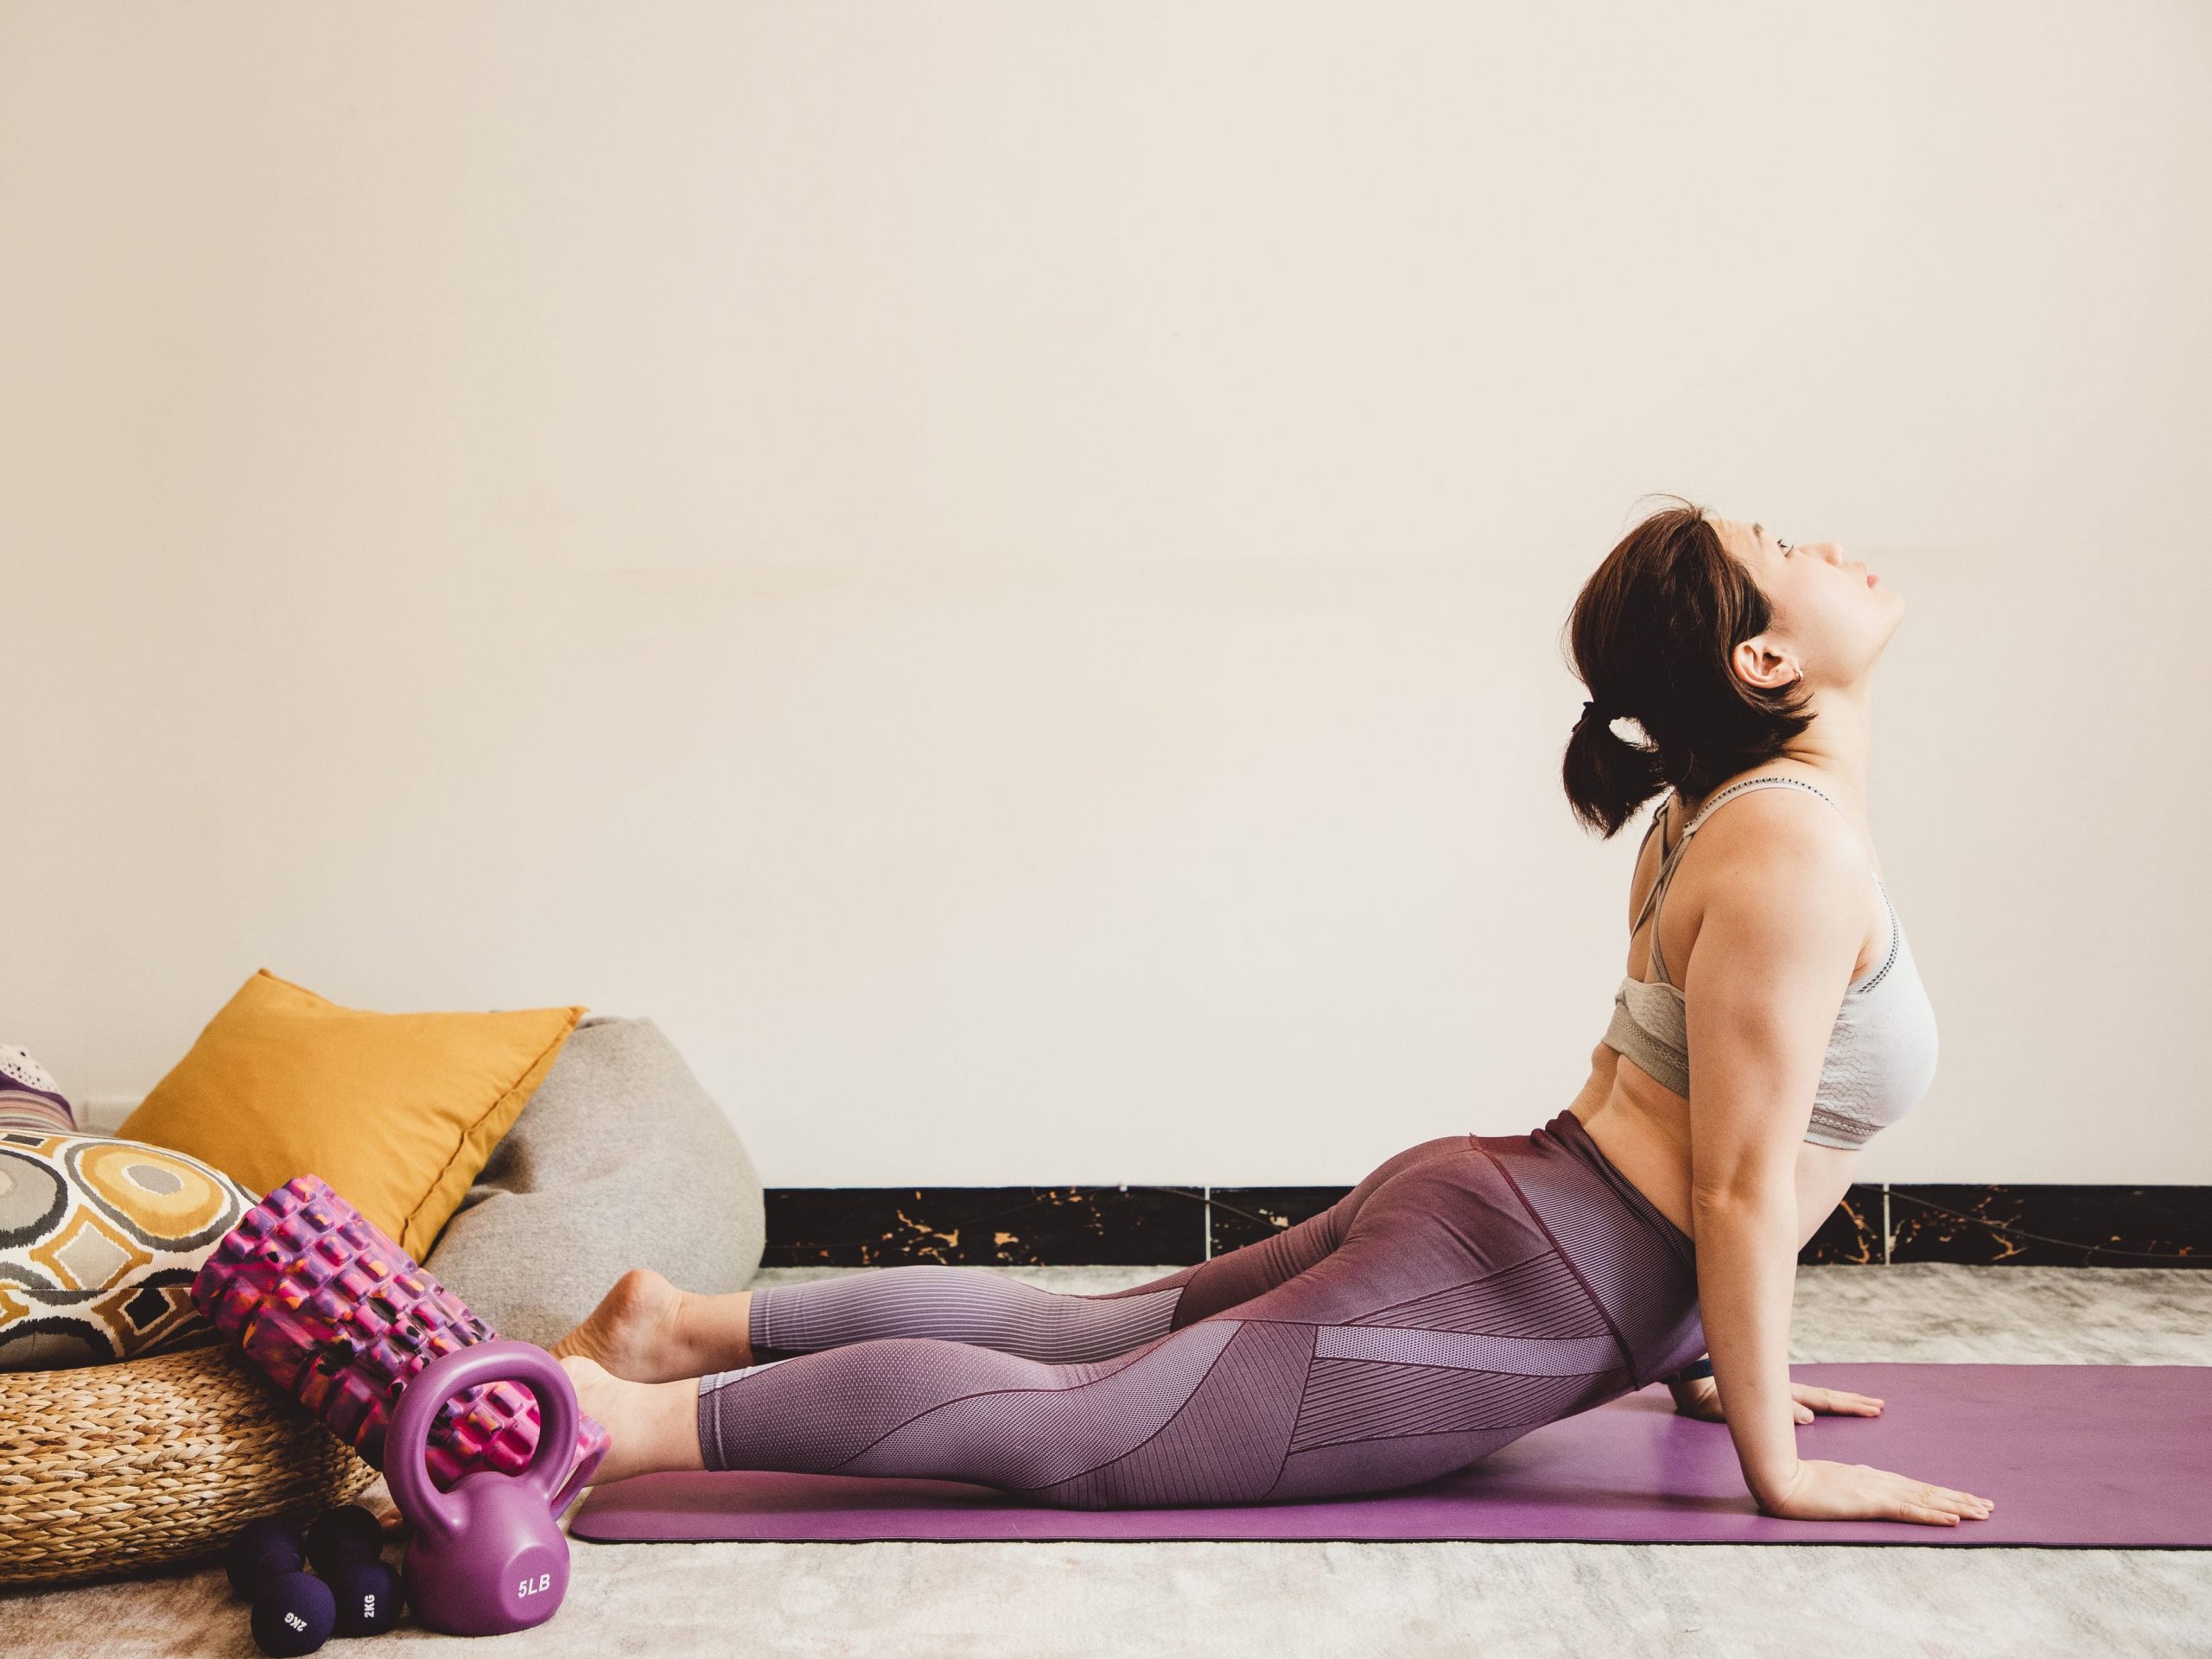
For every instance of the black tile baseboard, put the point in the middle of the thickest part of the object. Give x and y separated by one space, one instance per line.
1853 1235
1172 1226
2052 1226
963 1226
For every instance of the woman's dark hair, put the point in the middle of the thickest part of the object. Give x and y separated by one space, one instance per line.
1651 635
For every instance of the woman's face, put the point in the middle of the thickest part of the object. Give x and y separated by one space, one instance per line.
1832 618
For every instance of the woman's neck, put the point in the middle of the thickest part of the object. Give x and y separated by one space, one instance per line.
1831 754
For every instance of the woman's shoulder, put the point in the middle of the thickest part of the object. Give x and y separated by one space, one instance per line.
1796 824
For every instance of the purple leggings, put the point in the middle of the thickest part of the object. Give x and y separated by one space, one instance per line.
1471 1289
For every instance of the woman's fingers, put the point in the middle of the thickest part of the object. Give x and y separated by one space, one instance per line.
1941 1506
1838 1402
1821 1490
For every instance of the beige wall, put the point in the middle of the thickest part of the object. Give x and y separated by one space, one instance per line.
998 568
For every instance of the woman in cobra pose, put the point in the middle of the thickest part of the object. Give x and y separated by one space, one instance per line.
1472 1287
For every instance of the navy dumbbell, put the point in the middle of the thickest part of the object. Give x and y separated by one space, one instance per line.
267 1546
346 1545
293 1613
368 1595
342 1534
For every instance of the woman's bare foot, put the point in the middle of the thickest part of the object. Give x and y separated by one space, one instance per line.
649 1425
647 1331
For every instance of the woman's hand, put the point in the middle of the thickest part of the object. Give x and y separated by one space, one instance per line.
1853 1491
1700 1398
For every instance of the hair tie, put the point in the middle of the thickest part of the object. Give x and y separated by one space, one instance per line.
1589 707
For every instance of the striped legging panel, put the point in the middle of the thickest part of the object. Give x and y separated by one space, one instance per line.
968 1305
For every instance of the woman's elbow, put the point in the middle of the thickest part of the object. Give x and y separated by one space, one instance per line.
1749 1192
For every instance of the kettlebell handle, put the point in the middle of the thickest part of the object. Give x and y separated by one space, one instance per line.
407 1442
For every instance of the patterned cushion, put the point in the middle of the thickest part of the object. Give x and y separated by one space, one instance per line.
98 1242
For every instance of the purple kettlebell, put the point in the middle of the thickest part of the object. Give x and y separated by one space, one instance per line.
488 1556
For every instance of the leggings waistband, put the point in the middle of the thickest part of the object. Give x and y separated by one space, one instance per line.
1567 1128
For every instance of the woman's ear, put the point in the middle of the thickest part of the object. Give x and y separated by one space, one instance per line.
1762 664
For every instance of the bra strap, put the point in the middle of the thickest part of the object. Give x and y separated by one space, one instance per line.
1657 818
1743 784
1653 962
1656 960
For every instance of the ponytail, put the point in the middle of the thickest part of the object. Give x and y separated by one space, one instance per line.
1607 777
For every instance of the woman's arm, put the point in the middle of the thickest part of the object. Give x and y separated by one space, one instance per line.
1775 949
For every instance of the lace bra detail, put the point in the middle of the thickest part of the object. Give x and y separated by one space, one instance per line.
1882 1050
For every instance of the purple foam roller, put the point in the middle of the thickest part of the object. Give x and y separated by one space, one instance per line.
341 1318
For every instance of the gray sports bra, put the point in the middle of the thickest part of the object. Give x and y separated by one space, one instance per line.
1881 1054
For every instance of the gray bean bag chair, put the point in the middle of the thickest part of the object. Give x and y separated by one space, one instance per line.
620 1160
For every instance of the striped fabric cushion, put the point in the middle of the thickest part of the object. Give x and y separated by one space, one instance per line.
29 1098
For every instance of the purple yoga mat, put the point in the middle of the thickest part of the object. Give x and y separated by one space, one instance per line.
2077 1456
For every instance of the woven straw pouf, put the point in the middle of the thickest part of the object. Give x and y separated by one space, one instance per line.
107 1469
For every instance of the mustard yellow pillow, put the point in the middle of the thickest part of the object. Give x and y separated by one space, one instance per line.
397 1111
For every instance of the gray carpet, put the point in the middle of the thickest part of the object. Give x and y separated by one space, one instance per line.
975 1600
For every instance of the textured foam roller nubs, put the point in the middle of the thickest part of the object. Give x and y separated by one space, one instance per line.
340 1318
2077 1456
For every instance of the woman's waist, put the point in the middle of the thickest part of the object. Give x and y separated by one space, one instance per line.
1652 1160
